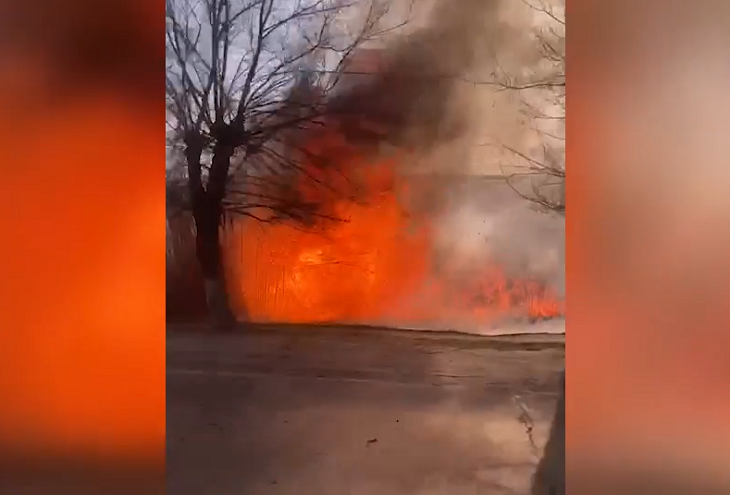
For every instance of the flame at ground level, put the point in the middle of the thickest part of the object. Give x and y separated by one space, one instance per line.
377 266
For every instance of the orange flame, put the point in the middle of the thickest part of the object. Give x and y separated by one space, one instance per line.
375 266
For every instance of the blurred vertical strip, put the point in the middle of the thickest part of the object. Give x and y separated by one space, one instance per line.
82 249
648 237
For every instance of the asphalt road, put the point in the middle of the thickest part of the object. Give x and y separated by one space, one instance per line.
335 411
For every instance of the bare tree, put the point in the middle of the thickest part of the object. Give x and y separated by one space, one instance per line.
243 77
538 174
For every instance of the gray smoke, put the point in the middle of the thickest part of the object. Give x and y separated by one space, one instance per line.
410 101
428 96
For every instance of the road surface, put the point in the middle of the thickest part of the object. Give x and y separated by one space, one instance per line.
335 411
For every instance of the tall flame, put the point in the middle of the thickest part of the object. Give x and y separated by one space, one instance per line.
375 264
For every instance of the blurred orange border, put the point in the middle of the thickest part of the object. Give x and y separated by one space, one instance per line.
83 248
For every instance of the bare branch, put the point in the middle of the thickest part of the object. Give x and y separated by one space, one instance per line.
265 9
546 9
246 77
543 91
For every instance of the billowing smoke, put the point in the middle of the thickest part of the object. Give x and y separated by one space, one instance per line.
432 95
423 95
428 109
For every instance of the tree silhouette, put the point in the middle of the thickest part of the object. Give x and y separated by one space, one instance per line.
244 79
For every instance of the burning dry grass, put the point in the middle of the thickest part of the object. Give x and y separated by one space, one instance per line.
378 262
398 243
383 259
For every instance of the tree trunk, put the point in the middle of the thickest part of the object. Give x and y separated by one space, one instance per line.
208 252
550 475
207 203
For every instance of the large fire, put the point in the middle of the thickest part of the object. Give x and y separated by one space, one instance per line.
374 264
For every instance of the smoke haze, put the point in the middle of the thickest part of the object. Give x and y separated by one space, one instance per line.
429 97
426 103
